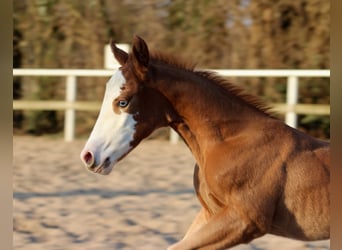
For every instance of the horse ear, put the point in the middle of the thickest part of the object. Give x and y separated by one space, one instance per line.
120 55
140 56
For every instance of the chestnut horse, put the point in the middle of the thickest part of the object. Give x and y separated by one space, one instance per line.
253 174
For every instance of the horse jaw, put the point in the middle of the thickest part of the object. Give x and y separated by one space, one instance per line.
112 136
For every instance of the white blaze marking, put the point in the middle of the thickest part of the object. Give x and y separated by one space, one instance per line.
112 133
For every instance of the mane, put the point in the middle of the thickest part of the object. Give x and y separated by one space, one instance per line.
237 91
170 60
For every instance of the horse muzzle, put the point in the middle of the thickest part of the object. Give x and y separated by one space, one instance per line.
90 163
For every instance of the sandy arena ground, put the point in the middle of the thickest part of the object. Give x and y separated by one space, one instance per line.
147 202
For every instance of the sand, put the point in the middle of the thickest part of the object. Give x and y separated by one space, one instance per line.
147 202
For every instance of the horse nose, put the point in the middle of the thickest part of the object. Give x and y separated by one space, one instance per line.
88 159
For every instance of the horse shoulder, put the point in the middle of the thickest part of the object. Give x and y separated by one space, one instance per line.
238 175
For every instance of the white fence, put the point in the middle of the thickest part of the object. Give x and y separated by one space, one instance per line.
70 105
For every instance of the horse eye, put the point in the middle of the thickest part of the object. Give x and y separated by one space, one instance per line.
123 103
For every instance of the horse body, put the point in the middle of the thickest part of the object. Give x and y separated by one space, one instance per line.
271 171
253 175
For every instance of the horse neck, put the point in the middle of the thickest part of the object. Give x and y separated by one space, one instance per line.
206 113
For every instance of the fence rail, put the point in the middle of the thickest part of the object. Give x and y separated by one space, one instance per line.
291 108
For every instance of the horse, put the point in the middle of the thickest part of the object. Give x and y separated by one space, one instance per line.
253 174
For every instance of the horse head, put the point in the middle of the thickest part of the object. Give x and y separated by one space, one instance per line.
130 110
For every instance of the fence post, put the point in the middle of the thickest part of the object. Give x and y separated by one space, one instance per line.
69 119
291 100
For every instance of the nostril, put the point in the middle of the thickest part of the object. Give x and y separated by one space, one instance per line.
107 162
88 159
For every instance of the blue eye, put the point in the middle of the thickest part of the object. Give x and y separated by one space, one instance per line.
123 103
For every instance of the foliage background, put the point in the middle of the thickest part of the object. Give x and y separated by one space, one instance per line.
236 34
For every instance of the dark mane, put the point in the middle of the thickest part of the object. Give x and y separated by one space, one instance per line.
170 60
235 90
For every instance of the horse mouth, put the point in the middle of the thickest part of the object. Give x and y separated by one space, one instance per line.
105 168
